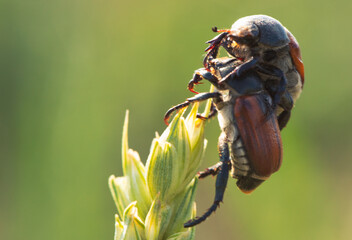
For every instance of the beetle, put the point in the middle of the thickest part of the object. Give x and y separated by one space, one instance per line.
262 43
224 66
250 143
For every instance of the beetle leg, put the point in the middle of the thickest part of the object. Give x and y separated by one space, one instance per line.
286 101
213 48
209 57
215 42
201 74
252 62
221 181
173 109
283 119
197 98
212 113
213 170
241 69
197 77
276 72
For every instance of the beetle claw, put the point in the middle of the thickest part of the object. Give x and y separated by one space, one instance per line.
194 81
191 87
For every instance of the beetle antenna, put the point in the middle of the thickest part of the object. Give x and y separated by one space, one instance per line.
215 29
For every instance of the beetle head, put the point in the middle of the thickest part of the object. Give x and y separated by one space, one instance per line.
241 38
250 35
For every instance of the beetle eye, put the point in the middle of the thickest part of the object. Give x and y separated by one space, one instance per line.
269 55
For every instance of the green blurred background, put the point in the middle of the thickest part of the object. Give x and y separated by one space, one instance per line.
70 69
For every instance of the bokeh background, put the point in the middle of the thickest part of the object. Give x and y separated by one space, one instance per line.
70 69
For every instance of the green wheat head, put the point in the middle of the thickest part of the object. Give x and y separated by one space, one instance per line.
155 200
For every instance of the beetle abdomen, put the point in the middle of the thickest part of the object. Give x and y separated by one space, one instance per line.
260 134
241 170
247 184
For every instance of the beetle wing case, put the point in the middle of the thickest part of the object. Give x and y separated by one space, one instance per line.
296 56
259 131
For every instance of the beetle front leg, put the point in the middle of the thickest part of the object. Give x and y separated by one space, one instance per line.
197 98
213 48
221 181
238 71
197 77
201 74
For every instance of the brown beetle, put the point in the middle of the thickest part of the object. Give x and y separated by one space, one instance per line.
250 142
